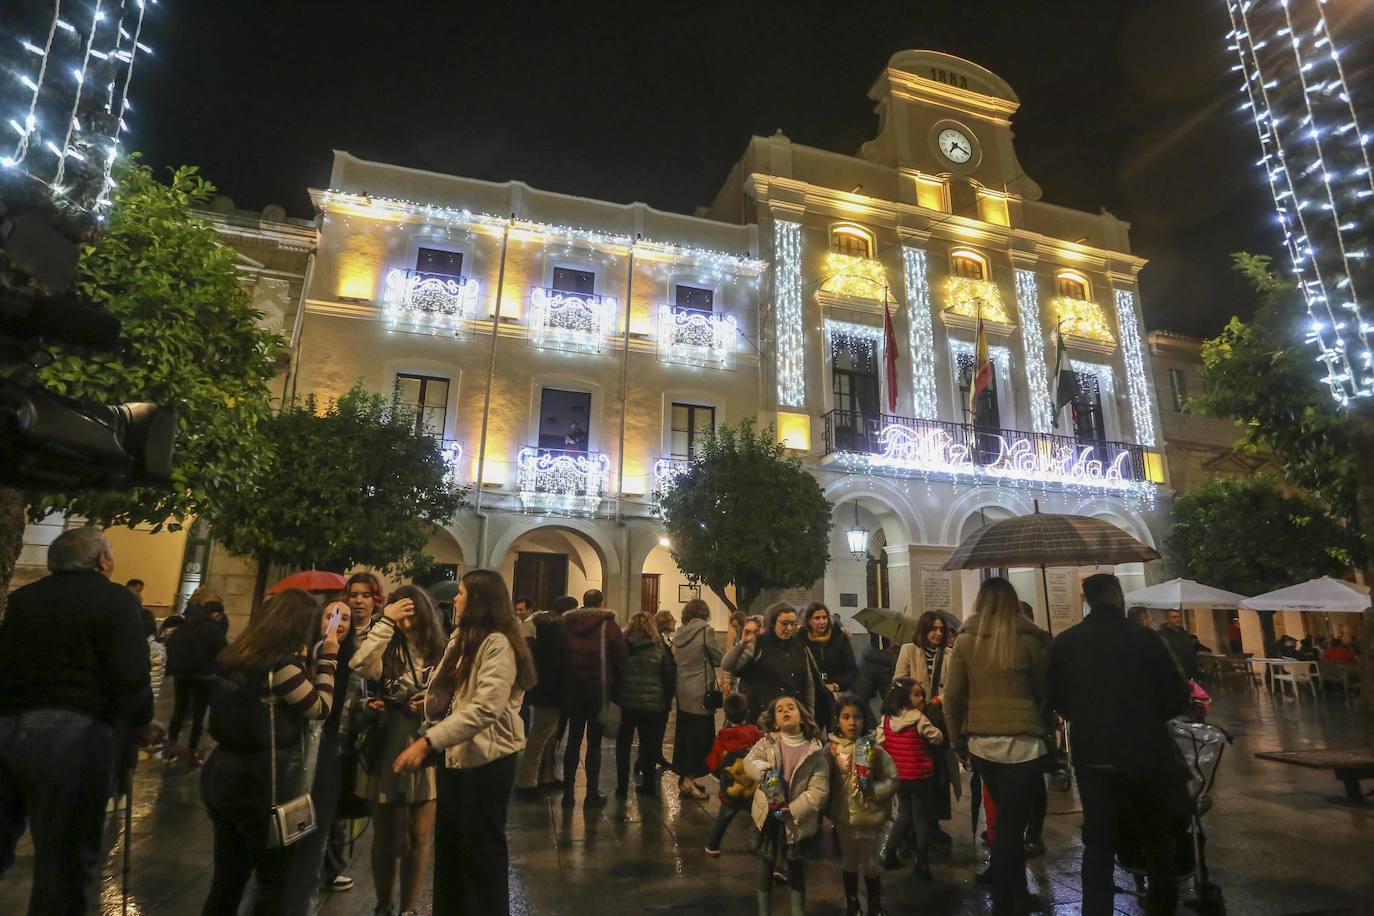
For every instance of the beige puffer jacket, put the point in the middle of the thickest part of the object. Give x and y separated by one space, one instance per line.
807 792
483 722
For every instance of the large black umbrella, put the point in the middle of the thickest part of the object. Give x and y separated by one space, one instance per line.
1047 540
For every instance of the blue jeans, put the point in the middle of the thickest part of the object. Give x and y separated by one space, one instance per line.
723 819
56 768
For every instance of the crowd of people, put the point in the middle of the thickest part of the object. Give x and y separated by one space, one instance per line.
430 721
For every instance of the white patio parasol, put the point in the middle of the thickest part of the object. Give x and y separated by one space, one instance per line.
1177 594
1324 594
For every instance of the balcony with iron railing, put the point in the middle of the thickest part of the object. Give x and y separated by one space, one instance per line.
695 336
571 321
562 480
905 446
428 303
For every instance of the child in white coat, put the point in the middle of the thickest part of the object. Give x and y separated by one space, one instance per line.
793 784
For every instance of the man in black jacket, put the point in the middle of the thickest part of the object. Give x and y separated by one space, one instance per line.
538 766
73 670
1118 686
1184 645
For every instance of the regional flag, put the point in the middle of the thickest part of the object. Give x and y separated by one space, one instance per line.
1065 382
890 358
982 372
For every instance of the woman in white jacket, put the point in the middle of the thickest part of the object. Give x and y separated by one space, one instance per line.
472 708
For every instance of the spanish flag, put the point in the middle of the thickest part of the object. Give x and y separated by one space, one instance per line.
982 373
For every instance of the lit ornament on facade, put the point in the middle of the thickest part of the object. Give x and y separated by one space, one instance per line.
1082 318
428 303
563 481
1317 164
854 277
571 321
696 337
973 298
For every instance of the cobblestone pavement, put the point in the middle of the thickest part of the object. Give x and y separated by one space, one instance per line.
1280 841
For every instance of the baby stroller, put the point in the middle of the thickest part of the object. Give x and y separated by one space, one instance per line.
1200 747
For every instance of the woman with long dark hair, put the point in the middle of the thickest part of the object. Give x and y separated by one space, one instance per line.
996 704
267 677
397 657
472 706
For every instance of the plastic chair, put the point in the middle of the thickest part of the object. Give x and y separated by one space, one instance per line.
1298 674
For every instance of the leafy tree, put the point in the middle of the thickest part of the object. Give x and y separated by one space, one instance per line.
1263 374
192 342
1248 536
352 485
747 514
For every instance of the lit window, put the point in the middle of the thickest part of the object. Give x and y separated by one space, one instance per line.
851 241
969 265
428 397
1072 285
690 422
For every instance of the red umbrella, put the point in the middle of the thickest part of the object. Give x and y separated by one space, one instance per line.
312 580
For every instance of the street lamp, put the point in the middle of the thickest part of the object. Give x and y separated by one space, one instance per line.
857 537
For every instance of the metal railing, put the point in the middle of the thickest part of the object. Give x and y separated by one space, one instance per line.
562 480
907 443
415 300
576 321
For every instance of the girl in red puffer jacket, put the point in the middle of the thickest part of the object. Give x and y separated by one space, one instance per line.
907 735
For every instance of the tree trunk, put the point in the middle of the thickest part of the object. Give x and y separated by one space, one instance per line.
260 586
1362 419
720 593
11 539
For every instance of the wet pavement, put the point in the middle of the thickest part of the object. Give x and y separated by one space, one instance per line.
1280 841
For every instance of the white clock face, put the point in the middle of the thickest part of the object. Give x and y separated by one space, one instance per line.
954 145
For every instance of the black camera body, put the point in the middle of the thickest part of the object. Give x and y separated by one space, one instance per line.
49 442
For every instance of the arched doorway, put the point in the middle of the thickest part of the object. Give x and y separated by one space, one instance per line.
663 587
448 558
870 558
547 562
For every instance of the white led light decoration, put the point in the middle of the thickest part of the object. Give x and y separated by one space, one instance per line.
787 304
1137 374
76 101
1000 355
452 453
945 451
560 480
427 303
1317 163
850 329
696 337
571 321
920 334
1103 374
666 474
1033 351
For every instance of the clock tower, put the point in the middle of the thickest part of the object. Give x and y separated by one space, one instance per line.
944 117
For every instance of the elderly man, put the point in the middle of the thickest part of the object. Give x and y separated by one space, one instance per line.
1184 645
73 669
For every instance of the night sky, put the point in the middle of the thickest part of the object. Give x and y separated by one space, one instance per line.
1127 105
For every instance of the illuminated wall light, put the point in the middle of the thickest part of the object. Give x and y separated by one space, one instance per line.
971 298
794 431
789 331
1082 318
1033 351
849 275
1137 373
920 334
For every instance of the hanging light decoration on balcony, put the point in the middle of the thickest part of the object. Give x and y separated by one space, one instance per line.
857 537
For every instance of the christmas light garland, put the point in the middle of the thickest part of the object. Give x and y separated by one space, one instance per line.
1033 351
920 334
1317 164
787 303
1137 376
1081 318
105 50
571 321
696 337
